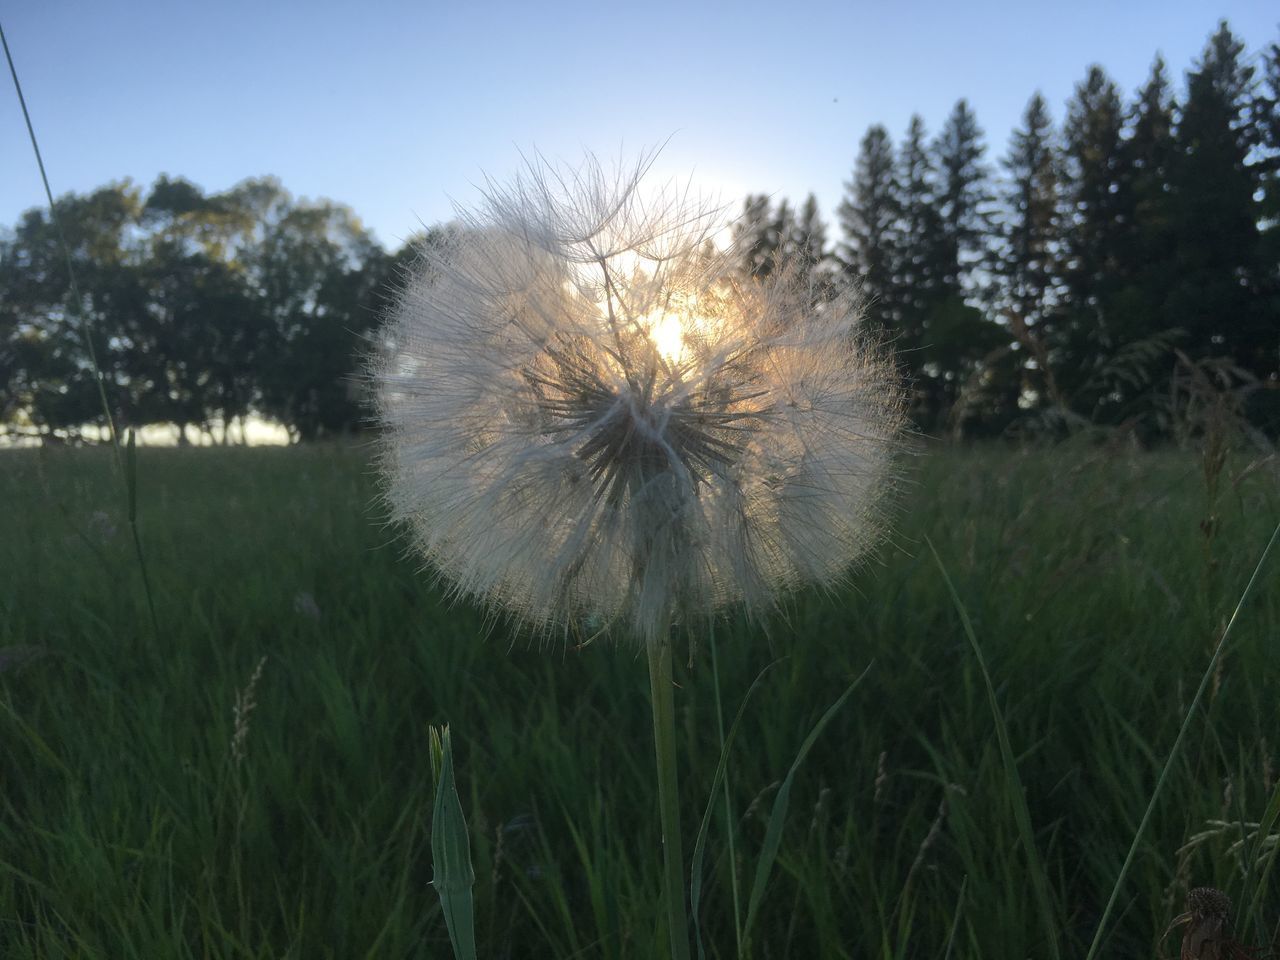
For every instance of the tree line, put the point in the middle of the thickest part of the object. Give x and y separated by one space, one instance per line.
1107 270
204 309
1103 273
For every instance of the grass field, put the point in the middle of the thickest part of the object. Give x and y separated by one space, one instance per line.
136 823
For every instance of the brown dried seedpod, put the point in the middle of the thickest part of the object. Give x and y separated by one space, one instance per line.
1208 928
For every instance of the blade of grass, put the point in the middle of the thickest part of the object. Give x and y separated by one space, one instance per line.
773 832
451 858
1021 814
1268 821
662 699
1176 749
699 845
86 331
955 920
66 252
131 490
42 748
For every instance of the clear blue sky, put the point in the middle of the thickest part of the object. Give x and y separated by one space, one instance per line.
395 108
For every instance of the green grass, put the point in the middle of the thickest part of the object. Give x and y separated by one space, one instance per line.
129 828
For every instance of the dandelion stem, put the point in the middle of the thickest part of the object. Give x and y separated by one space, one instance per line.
729 821
664 743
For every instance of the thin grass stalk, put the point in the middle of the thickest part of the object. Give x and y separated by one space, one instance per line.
1176 749
955 918
126 472
662 699
66 253
1017 795
729 821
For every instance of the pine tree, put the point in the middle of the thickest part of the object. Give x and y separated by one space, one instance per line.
1215 213
868 216
754 238
768 240
1029 260
1096 231
1149 155
1267 118
958 336
918 242
1032 233
1146 269
962 200
1266 112
811 235
782 235
809 245
917 290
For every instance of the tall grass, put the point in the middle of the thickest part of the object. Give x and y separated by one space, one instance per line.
126 463
138 820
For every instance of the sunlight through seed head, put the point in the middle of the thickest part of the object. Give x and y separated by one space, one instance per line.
590 413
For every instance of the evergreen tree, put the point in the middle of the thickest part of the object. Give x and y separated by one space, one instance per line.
782 235
1146 271
809 245
1096 231
961 198
1029 261
1267 117
918 242
754 237
1215 213
959 337
768 240
810 239
869 216
1149 157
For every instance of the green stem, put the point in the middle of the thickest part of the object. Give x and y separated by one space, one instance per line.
663 702
126 473
729 821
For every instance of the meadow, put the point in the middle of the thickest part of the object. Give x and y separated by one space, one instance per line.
255 780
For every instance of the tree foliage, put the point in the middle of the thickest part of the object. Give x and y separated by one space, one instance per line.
1080 280
1144 236
205 309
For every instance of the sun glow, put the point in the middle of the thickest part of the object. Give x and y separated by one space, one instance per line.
675 329
667 331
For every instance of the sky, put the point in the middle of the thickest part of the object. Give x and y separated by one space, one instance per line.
401 109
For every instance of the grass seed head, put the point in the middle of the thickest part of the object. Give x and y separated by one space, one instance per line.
589 413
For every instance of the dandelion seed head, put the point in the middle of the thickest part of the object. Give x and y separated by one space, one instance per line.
589 414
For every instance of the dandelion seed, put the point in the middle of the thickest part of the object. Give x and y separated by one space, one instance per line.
589 416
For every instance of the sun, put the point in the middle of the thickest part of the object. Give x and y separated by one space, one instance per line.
675 328
667 333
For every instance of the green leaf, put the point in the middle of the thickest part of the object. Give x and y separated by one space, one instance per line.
451 859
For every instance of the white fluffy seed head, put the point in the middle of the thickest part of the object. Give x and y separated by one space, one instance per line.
589 415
